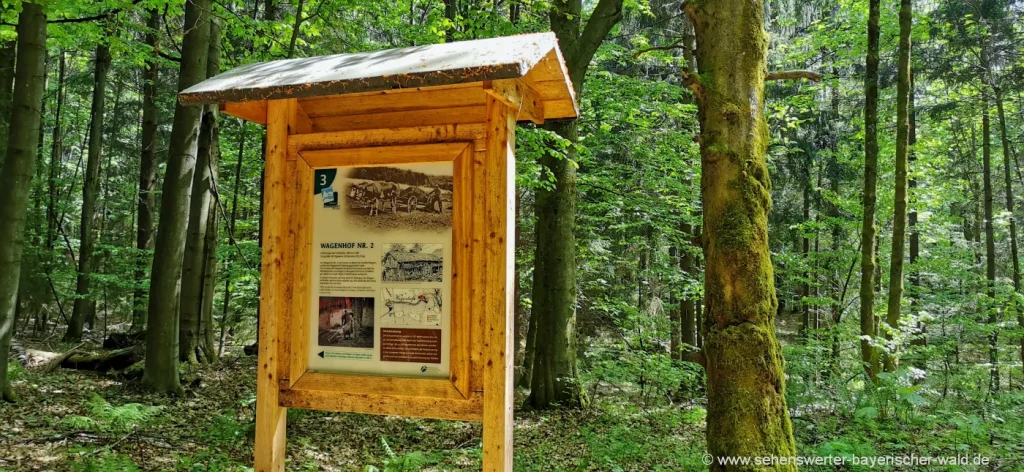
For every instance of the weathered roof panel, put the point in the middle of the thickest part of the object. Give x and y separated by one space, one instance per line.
421 66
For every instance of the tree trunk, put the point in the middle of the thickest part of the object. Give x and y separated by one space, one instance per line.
192 325
899 219
231 234
868 260
161 371
530 352
747 413
147 174
90 192
1007 158
554 280
920 338
805 252
16 174
7 56
211 126
675 314
554 284
990 245
688 318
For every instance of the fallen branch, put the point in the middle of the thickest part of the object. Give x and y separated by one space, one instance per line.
793 75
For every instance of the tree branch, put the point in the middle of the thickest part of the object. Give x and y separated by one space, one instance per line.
606 14
793 75
674 45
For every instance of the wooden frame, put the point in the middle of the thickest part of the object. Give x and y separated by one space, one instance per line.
479 386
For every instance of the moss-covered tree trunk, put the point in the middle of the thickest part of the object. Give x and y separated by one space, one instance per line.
16 173
90 192
147 173
554 376
1007 159
899 219
747 413
869 245
990 246
161 371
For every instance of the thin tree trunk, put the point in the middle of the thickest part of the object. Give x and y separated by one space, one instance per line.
161 371
1007 158
147 174
688 318
90 192
899 219
868 264
747 413
805 252
920 338
231 233
990 246
16 173
211 126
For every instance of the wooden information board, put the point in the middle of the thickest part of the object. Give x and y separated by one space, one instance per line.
388 228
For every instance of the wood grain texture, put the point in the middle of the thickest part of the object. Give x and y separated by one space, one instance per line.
384 155
460 95
462 267
401 119
476 248
374 385
498 258
255 112
525 102
274 301
303 250
386 137
436 408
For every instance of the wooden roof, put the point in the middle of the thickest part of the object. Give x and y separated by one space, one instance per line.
534 58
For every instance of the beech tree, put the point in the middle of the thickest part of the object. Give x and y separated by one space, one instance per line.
161 370
18 166
84 304
554 367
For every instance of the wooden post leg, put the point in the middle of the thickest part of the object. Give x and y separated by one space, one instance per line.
499 185
275 298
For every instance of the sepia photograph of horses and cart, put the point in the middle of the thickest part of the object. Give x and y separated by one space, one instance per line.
396 198
346 322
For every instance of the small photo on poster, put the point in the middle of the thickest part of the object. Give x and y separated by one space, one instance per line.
411 198
411 307
412 262
346 322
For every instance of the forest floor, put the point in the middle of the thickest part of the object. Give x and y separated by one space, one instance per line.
72 420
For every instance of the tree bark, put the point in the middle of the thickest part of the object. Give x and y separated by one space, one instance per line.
147 174
899 219
7 56
16 174
869 231
161 371
192 326
990 245
554 281
747 413
90 192
1007 159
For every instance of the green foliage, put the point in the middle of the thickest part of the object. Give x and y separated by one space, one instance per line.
103 460
106 418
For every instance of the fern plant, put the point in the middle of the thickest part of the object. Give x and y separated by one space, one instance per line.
106 418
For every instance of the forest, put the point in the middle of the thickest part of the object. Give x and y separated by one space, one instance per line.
779 229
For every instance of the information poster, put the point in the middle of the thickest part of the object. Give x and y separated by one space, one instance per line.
381 270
